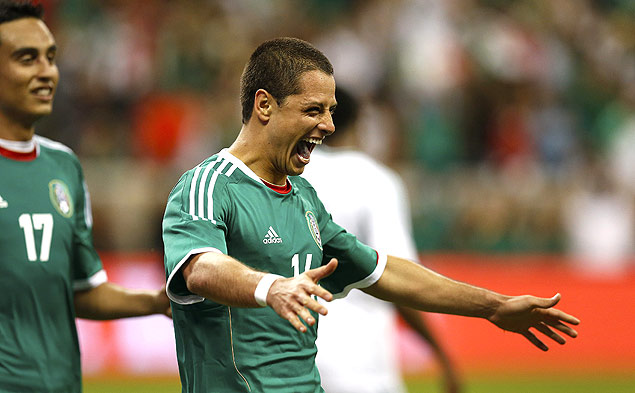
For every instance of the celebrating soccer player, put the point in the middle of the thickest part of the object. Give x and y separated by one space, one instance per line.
247 240
49 270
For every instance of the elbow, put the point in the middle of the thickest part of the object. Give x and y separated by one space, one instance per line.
195 283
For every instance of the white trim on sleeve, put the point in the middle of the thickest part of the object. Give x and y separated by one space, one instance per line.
382 259
91 282
189 299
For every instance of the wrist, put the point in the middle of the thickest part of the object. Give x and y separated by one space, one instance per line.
262 289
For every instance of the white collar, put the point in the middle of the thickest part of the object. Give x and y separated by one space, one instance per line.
18 146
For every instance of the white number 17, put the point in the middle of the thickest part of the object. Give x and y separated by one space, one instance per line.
39 222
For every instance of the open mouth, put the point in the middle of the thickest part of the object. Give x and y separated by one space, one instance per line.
44 93
304 148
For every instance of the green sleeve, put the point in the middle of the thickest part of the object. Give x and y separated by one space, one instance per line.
87 267
186 234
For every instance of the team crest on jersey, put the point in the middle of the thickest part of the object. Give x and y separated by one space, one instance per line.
61 197
314 228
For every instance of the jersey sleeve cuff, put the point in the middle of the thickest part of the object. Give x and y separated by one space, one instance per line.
372 278
91 282
187 299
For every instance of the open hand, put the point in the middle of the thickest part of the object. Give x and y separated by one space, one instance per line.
291 297
520 313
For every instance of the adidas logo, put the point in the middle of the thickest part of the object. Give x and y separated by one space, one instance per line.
3 203
271 237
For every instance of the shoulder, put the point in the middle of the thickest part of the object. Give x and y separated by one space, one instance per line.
58 153
211 174
207 181
47 145
302 185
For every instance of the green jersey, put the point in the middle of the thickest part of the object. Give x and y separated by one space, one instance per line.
222 206
46 253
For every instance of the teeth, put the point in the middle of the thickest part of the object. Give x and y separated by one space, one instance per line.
43 92
315 141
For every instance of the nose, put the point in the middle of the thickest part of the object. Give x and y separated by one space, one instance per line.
47 69
327 125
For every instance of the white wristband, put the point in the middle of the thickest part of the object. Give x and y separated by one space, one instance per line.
262 289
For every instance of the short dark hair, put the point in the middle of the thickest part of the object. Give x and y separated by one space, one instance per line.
276 66
11 10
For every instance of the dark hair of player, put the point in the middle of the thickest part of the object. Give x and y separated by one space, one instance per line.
11 10
276 66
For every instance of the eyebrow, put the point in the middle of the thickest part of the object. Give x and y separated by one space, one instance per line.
318 104
31 51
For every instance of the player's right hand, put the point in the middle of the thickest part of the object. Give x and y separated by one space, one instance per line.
291 297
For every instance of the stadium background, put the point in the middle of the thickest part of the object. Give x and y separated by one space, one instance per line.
512 122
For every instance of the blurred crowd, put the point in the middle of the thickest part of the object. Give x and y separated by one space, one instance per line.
512 122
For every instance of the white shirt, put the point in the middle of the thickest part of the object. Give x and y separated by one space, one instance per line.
357 339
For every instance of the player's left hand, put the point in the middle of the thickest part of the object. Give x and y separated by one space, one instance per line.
520 313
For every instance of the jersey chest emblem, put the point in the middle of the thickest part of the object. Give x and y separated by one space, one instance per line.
61 197
313 227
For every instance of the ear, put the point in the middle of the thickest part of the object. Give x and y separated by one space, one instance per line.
263 105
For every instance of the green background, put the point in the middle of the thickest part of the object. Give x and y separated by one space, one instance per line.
423 384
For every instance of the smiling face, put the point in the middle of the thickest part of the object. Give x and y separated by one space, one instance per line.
299 123
28 74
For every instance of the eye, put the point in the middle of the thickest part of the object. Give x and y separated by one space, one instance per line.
26 59
313 111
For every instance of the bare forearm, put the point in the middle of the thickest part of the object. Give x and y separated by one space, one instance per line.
222 279
111 301
409 284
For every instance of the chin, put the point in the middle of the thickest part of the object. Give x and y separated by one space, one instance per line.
296 172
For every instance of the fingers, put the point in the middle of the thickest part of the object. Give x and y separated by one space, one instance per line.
562 316
323 271
295 322
300 313
316 306
544 329
322 293
534 340
548 302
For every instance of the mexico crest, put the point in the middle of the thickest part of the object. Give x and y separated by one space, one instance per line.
61 197
314 228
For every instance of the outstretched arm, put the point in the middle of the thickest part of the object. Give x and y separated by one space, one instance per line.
417 322
225 280
111 301
409 284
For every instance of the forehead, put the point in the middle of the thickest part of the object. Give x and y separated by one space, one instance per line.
316 86
25 33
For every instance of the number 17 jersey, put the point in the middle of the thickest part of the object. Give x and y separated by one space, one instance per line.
222 206
46 253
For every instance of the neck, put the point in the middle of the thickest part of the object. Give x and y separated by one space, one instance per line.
15 131
252 152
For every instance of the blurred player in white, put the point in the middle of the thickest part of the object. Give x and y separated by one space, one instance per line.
369 200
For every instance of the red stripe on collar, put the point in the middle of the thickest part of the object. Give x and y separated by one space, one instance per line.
279 189
18 156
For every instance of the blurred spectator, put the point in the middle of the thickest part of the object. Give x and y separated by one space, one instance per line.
476 97
600 224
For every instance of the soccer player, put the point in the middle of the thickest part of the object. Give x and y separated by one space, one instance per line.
247 240
373 207
49 270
